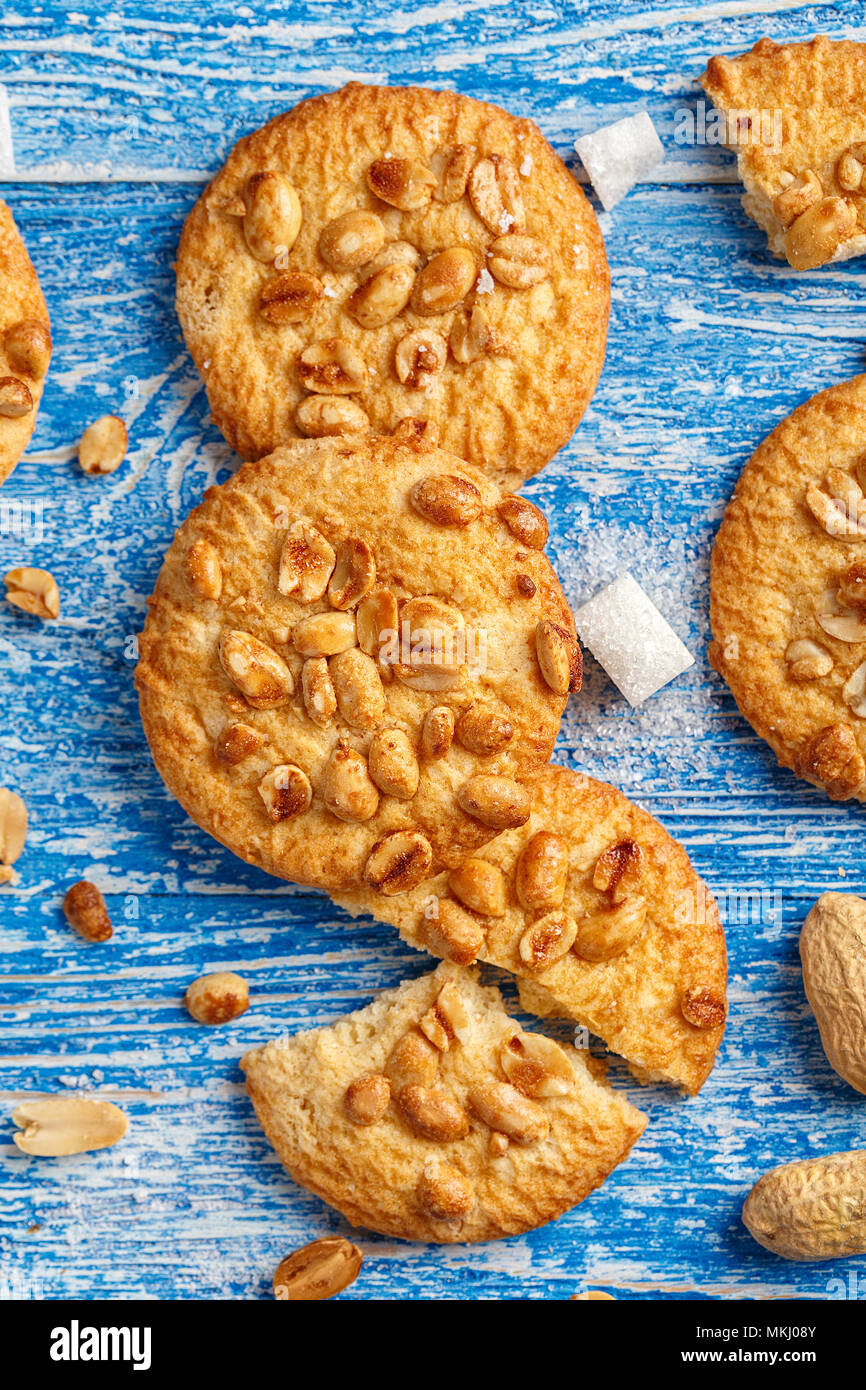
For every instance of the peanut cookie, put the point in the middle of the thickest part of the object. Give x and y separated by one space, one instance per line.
430 1115
353 650
600 915
795 115
380 252
25 344
788 591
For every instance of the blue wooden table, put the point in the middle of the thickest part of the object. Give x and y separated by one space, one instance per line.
117 121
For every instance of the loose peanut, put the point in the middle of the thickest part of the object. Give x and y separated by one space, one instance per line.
217 998
13 826
55 1126
102 447
318 1271
86 911
34 591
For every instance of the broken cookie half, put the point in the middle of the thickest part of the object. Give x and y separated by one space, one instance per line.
431 1115
795 116
600 915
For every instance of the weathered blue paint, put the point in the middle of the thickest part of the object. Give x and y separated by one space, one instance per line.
117 120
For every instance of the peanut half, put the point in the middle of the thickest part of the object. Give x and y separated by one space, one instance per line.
13 826
55 1126
317 1271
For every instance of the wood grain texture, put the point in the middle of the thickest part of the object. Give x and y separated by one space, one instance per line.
117 120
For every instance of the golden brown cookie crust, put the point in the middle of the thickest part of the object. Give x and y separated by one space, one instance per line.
776 573
21 304
508 411
387 1176
633 998
189 704
804 102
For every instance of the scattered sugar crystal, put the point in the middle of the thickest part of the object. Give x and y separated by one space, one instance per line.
7 151
628 636
505 222
526 166
484 283
616 156
330 292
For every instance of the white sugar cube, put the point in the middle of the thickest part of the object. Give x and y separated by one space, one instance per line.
7 152
616 156
628 636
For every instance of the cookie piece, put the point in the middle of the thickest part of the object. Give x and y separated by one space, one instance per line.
431 1115
600 915
340 672
796 118
788 591
379 252
25 344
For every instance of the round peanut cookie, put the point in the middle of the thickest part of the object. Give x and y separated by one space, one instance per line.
380 252
25 344
788 591
353 650
599 914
